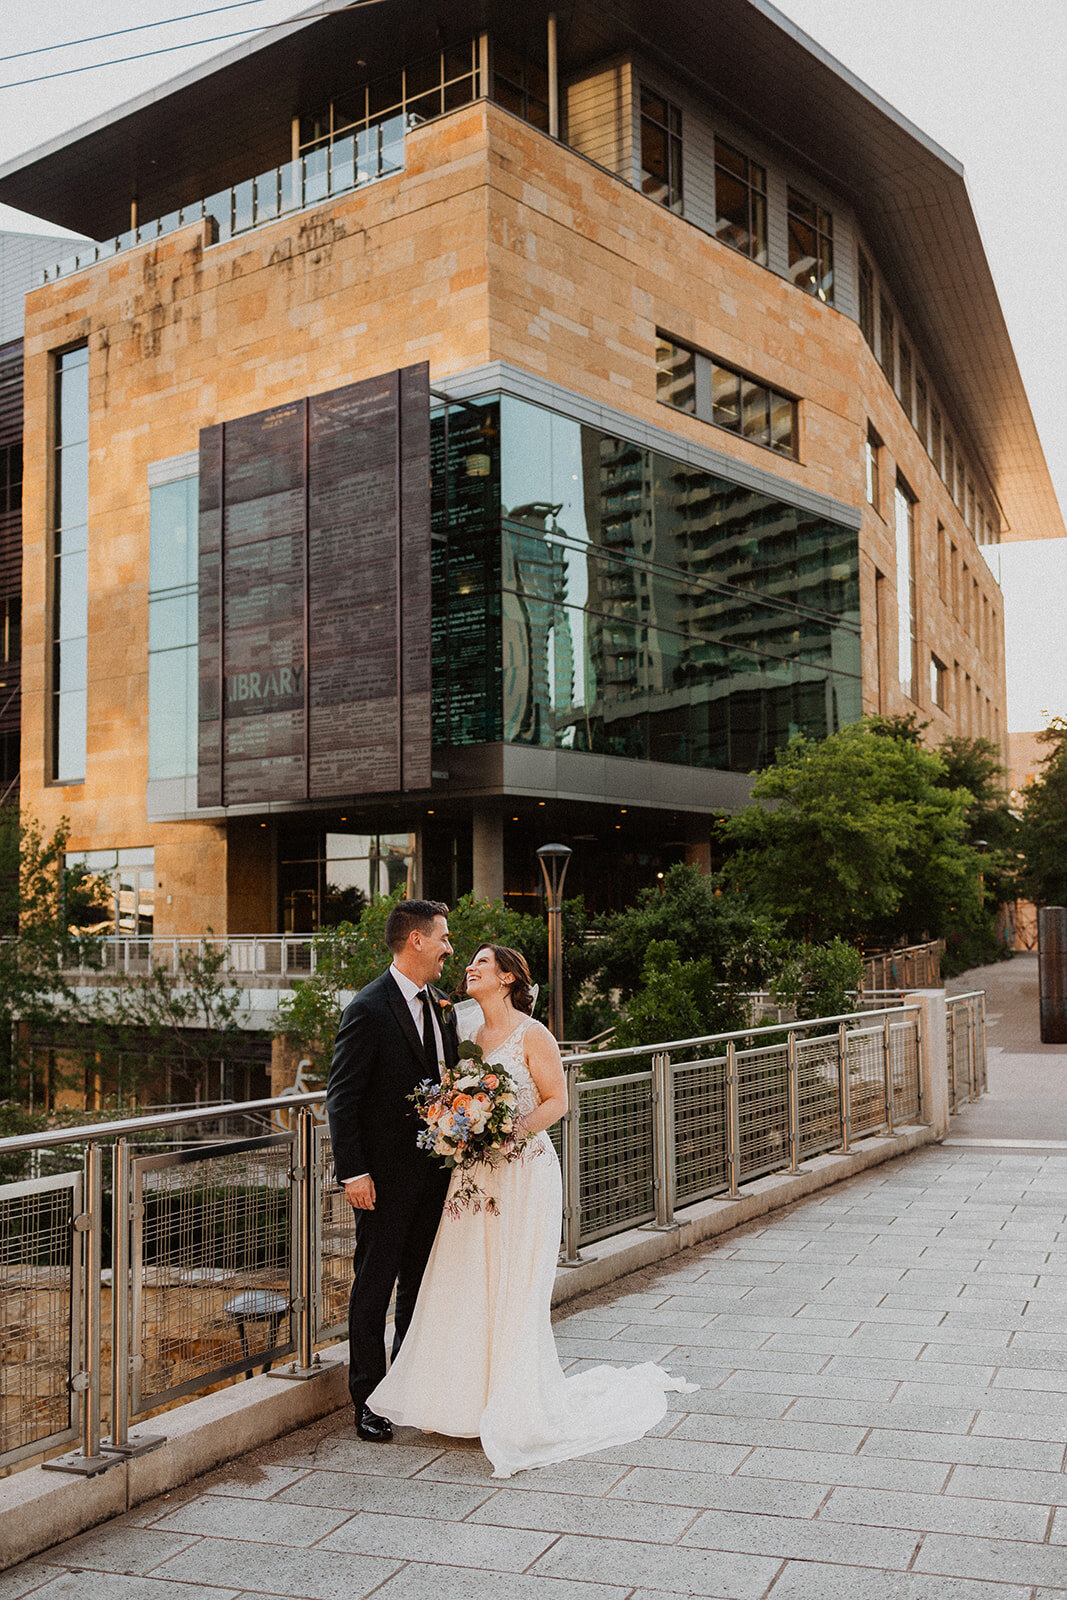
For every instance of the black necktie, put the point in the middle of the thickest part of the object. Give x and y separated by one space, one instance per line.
429 1038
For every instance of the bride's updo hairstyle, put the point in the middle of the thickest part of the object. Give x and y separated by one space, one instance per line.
512 964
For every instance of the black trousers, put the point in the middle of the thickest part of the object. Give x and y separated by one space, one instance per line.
393 1243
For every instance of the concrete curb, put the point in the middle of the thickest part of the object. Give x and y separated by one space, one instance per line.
39 1509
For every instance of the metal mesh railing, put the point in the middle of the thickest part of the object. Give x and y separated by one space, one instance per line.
965 1042
237 1253
40 1290
615 1119
211 1265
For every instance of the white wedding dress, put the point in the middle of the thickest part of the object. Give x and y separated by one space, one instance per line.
479 1359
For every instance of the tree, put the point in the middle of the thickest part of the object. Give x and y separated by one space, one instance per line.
1043 828
862 840
39 898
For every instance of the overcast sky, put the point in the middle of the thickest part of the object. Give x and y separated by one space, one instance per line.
984 79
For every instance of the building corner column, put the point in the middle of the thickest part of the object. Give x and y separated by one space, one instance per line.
487 852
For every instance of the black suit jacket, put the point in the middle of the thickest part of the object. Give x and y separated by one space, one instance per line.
377 1062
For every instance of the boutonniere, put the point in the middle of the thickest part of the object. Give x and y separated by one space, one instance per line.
445 1007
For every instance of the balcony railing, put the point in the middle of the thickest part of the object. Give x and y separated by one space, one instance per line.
248 958
234 1254
351 163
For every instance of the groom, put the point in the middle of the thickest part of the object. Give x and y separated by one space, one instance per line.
396 1032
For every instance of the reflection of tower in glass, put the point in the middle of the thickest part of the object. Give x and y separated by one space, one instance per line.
538 644
619 517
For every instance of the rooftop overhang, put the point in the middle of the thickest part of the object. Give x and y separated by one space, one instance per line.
231 117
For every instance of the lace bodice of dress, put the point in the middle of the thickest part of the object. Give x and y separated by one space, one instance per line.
509 1055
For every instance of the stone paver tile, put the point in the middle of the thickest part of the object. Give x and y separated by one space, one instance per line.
743 1358
345 1451
813 1385
832 1467
263 1569
801 1539
245 1482
999 1397
712 1490
998 1483
818 1581
1002 1424
995 1560
927 1371
266 1522
736 1324
782 1433
618 1350
731 1402
412 1497
118 1547
572 1513
677 1454
455 1544
967 1449
1058 1534
420 1581
668 1568
895 1414
589 1328
120 1586
936 1513
858 1344
583 1476
26 1578
1032 1378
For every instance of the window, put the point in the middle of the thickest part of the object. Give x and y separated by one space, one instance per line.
943 567
173 630
866 300
661 151
11 630
938 683
904 384
123 884
11 477
887 341
907 640
70 544
521 86
740 202
935 441
950 467
693 382
439 83
922 412
872 456
811 247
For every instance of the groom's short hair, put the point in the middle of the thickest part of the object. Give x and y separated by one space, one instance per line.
408 916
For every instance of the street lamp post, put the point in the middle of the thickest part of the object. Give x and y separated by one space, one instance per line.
554 859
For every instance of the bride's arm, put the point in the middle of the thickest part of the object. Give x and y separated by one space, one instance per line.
546 1070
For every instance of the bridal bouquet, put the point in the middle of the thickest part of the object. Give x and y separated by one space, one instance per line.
470 1117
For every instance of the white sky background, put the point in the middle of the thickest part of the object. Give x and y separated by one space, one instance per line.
984 79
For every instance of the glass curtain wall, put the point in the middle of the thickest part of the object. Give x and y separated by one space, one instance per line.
173 630
594 595
70 605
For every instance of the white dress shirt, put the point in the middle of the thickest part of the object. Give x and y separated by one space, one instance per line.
411 993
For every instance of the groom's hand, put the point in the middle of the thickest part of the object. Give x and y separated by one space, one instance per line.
359 1192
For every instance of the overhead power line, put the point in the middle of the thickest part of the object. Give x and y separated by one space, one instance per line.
162 50
139 27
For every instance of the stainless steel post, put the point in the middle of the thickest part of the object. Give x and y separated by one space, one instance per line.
663 1139
794 1100
733 1120
120 1441
572 1176
887 1071
952 1055
920 1046
844 1079
305 1241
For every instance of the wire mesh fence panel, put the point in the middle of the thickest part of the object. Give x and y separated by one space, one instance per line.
40 1296
818 1094
866 1074
978 1002
762 1110
700 1129
333 1223
615 1134
904 1066
966 1047
211 1265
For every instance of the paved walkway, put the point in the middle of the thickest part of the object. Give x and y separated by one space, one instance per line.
1027 1090
882 1415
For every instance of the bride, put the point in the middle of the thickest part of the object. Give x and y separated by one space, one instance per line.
479 1359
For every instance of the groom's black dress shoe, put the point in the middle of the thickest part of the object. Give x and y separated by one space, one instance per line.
370 1425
